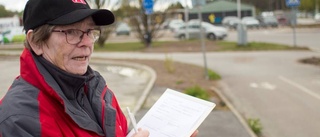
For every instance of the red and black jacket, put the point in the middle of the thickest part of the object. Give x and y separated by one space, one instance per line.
36 106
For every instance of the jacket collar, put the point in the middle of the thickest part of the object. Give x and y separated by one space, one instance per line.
70 84
37 75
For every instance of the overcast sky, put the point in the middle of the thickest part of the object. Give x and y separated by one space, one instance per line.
18 5
14 5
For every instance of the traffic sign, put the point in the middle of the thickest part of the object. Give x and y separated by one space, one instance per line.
293 3
148 6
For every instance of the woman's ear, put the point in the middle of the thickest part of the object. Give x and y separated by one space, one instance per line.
34 46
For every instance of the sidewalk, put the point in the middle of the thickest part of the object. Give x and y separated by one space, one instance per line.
133 86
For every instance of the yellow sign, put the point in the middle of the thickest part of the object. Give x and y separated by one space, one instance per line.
211 17
158 19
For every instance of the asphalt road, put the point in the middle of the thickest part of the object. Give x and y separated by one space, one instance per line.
270 85
304 37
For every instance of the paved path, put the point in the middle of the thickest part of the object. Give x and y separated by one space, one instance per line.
132 84
136 78
269 85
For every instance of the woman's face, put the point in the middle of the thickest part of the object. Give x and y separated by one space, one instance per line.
71 58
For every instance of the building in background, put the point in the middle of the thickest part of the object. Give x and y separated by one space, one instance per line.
214 12
9 28
9 22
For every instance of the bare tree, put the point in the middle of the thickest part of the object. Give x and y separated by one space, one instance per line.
144 25
105 30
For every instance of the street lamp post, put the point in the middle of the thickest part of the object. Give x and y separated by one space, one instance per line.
317 7
186 18
239 8
241 28
199 4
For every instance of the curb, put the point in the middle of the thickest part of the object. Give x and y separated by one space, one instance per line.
234 110
145 92
148 87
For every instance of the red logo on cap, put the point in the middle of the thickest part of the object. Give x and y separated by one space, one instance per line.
79 1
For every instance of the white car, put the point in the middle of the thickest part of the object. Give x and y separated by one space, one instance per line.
1 39
317 17
250 22
175 24
211 32
231 22
123 29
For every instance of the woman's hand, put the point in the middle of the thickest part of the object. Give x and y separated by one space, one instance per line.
141 133
195 133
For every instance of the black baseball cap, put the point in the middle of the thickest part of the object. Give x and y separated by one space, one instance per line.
62 12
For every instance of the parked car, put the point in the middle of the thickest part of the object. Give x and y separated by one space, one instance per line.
123 29
230 22
317 17
1 39
173 24
250 22
211 32
268 21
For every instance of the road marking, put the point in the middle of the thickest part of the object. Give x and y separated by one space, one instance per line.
265 85
268 86
302 88
254 85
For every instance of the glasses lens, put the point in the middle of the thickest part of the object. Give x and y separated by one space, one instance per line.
73 36
94 34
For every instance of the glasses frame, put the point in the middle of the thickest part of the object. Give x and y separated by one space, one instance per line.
81 36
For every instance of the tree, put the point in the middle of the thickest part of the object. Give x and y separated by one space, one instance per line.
134 14
6 13
105 30
138 20
309 5
177 5
271 5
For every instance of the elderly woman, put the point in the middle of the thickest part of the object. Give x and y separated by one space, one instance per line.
57 93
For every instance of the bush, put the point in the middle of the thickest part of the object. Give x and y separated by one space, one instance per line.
198 92
169 64
18 38
255 125
213 75
6 40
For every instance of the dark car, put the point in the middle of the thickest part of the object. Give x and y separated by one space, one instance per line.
268 21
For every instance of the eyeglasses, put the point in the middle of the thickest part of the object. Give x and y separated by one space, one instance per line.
74 36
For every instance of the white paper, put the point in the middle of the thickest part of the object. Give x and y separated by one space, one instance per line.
175 114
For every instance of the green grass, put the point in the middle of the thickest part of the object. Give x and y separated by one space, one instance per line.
125 46
19 38
255 125
222 46
129 46
198 92
254 46
213 75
